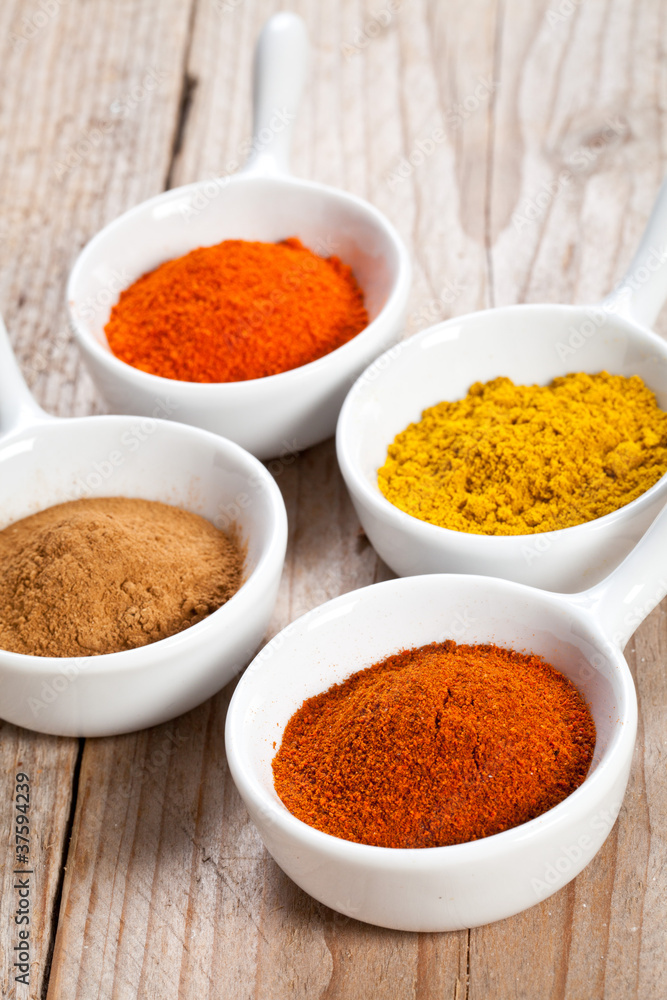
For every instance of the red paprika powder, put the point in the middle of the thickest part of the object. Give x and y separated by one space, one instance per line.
437 745
236 311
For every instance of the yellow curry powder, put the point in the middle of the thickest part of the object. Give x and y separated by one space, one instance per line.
520 459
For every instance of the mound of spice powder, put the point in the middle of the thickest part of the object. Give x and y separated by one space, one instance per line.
519 459
101 575
236 311
437 745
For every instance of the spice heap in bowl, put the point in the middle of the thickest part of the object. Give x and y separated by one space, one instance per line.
518 459
478 446
139 565
438 745
96 576
236 311
416 754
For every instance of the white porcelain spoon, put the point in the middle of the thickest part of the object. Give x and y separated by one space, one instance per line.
530 344
294 409
449 888
46 461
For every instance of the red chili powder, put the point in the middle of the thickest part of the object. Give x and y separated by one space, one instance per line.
437 745
236 311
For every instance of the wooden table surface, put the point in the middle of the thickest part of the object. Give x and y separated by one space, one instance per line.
518 148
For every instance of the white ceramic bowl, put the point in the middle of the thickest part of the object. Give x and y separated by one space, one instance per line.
530 344
285 412
448 888
43 462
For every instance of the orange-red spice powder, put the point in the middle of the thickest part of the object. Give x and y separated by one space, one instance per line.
236 311
437 745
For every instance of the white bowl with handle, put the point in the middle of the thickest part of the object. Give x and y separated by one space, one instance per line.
530 344
46 461
465 885
294 409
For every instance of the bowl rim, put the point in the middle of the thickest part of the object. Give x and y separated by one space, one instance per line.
436 534
346 353
592 789
272 555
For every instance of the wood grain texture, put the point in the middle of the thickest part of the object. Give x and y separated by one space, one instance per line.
50 764
517 148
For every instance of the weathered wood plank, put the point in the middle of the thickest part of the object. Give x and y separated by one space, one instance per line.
89 105
87 122
577 160
451 118
245 929
50 764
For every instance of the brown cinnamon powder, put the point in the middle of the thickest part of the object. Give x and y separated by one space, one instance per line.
101 575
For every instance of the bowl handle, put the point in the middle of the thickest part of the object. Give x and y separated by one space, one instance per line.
622 601
17 406
641 293
281 58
